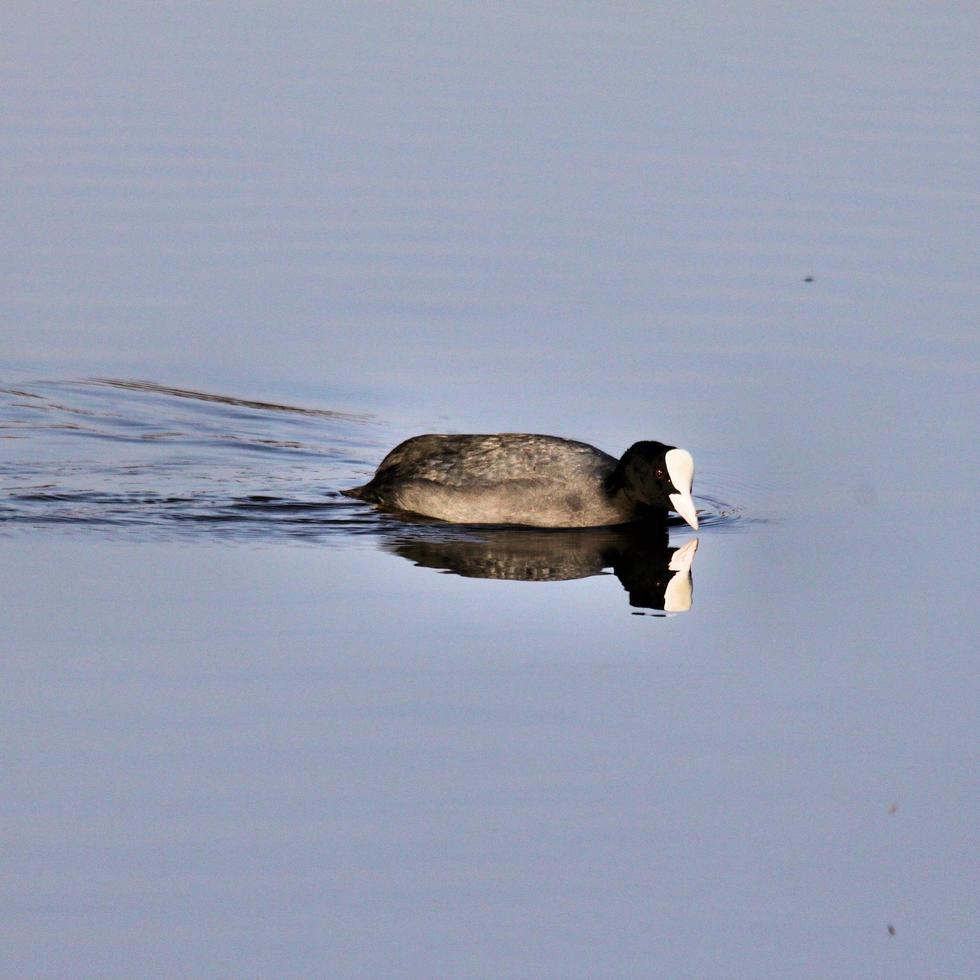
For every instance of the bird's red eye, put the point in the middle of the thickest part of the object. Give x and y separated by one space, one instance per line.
660 474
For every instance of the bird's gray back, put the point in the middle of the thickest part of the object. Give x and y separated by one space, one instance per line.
473 460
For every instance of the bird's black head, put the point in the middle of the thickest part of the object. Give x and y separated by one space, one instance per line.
658 476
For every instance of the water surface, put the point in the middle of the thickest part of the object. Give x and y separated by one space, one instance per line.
254 728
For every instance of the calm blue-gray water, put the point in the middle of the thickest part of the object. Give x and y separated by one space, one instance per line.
251 727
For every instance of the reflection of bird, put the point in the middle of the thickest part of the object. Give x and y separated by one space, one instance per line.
540 481
655 575
534 556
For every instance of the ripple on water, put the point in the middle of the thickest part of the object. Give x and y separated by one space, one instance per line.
161 461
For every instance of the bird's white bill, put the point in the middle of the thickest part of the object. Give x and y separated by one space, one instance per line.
680 590
680 469
683 503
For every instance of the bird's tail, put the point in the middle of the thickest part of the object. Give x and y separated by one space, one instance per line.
360 493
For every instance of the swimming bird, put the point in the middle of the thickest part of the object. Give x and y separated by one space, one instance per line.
535 480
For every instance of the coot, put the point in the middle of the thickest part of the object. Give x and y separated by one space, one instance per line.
541 481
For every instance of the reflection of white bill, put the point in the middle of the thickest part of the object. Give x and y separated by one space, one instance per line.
680 590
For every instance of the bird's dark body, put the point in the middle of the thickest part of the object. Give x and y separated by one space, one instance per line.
508 478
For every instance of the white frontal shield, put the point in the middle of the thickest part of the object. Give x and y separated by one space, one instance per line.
680 469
